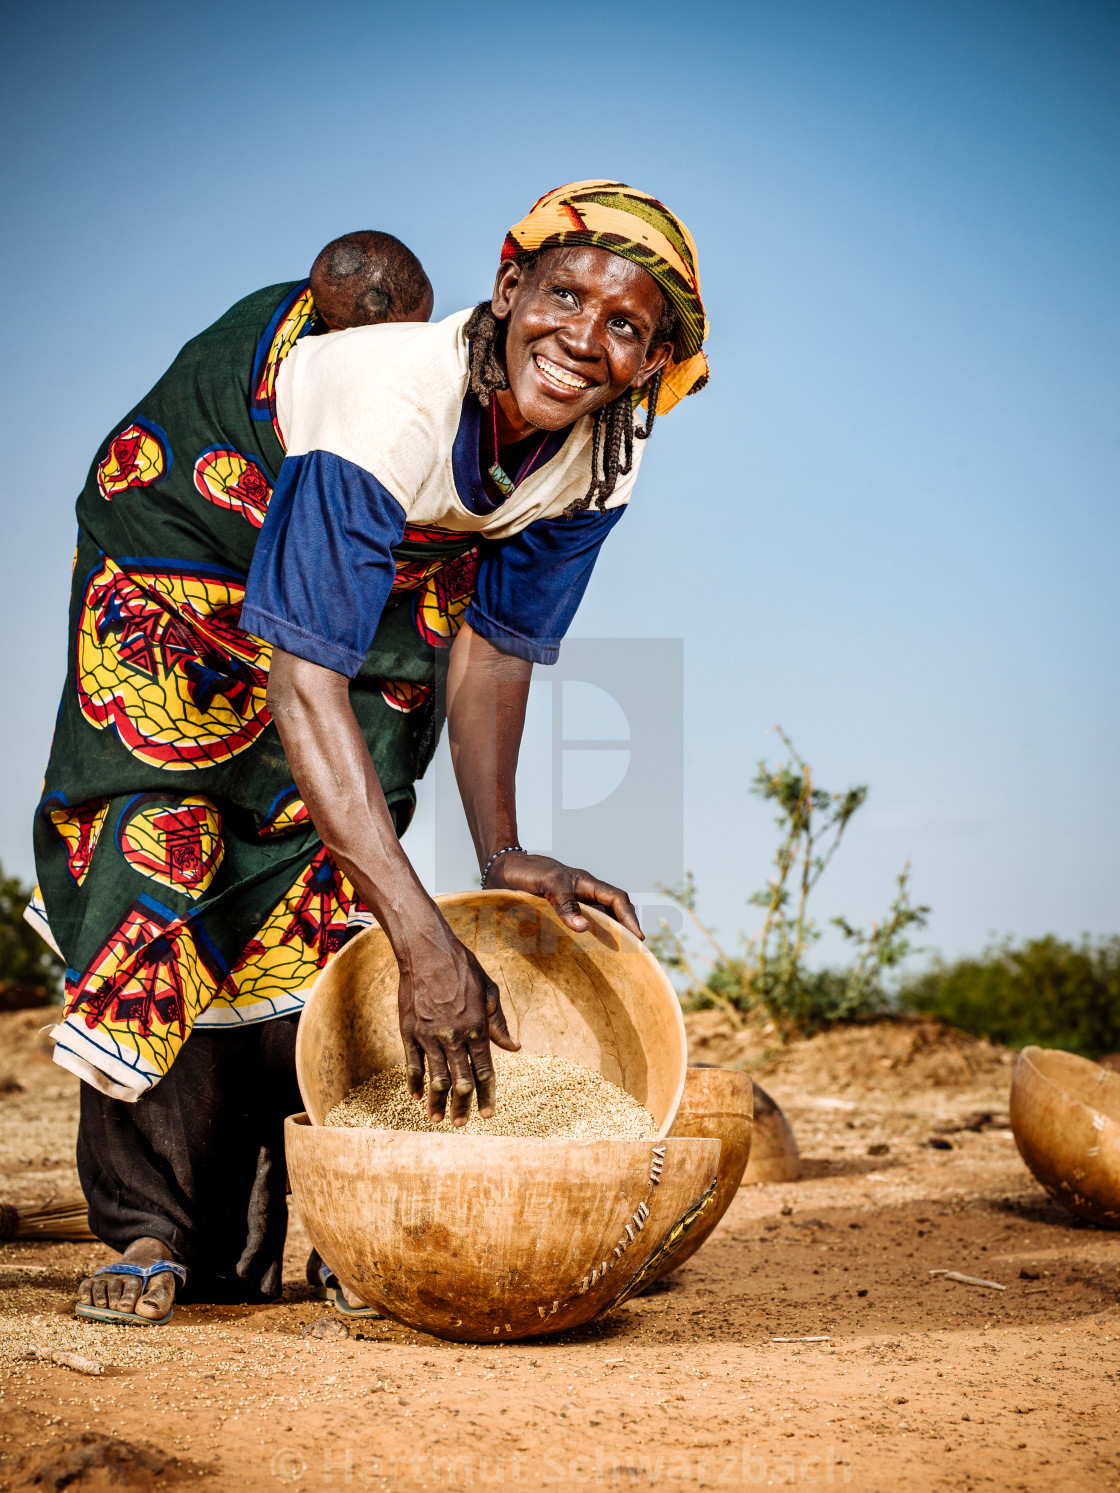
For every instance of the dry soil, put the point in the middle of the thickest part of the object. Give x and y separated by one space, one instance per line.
916 1382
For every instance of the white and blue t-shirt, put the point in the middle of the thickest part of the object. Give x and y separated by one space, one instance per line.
381 430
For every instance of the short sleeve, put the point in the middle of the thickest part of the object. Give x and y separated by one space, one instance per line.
530 585
323 568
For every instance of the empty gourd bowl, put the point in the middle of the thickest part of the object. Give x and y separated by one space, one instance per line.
1065 1115
599 998
480 1238
718 1104
774 1154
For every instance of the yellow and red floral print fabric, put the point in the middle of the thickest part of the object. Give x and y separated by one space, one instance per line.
180 874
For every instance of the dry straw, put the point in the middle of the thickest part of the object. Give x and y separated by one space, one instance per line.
57 1220
549 1098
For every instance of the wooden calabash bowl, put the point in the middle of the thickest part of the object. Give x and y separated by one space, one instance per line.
774 1154
1065 1115
484 1238
599 998
718 1104
487 1239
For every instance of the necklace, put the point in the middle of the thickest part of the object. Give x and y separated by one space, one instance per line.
496 472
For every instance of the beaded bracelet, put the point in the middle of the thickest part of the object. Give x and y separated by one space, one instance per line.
504 851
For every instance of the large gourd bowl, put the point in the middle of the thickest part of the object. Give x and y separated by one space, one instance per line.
1065 1116
488 1238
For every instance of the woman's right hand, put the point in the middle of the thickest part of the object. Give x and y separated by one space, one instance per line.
450 1011
449 1008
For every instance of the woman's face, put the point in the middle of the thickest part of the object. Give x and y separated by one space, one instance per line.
580 322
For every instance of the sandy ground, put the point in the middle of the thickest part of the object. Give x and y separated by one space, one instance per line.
920 1382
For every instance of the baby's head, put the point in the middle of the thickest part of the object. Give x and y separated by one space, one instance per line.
369 277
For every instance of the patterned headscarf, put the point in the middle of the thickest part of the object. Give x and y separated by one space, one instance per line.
611 215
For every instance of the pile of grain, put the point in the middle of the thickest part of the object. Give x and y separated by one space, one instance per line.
547 1097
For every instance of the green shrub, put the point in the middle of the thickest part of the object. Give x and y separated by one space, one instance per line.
29 971
770 978
1045 991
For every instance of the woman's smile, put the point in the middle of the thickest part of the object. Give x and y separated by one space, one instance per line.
561 378
595 312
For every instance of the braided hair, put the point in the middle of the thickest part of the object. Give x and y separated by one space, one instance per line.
614 432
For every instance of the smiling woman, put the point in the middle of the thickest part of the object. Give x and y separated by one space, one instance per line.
444 493
591 331
629 246
511 430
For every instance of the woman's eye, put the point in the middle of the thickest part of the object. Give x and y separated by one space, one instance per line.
561 290
620 325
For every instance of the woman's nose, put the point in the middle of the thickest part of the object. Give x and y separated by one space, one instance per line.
582 336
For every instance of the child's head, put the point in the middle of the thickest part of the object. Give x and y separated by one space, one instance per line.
368 277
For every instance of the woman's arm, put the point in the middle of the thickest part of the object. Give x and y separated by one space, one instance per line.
447 1003
487 692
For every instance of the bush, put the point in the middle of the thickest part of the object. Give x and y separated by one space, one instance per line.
771 979
30 972
1046 992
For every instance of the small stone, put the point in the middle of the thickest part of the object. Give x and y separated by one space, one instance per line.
939 1143
324 1327
1026 1274
75 1361
880 1148
861 1293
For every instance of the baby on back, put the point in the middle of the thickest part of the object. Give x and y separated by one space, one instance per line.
366 278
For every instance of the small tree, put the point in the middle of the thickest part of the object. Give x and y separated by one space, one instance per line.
770 976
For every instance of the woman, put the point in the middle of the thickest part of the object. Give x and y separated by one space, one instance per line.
444 485
170 833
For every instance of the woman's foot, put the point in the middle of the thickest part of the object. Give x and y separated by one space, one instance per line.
315 1280
122 1293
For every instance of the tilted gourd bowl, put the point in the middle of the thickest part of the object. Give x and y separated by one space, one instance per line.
774 1154
484 1238
1065 1116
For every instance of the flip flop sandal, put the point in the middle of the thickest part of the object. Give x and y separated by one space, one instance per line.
330 1290
145 1273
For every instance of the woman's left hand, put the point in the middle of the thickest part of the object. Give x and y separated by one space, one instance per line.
565 887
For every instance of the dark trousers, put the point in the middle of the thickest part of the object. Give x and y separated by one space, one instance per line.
198 1163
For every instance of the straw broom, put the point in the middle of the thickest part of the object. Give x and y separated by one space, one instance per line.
64 1219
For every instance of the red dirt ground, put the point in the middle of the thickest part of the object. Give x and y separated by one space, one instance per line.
921 1384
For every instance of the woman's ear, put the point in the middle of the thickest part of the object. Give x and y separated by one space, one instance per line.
655 360
506 282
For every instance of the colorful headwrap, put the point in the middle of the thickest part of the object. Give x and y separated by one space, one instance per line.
611 215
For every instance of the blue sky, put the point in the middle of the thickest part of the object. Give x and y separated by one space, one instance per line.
890 522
